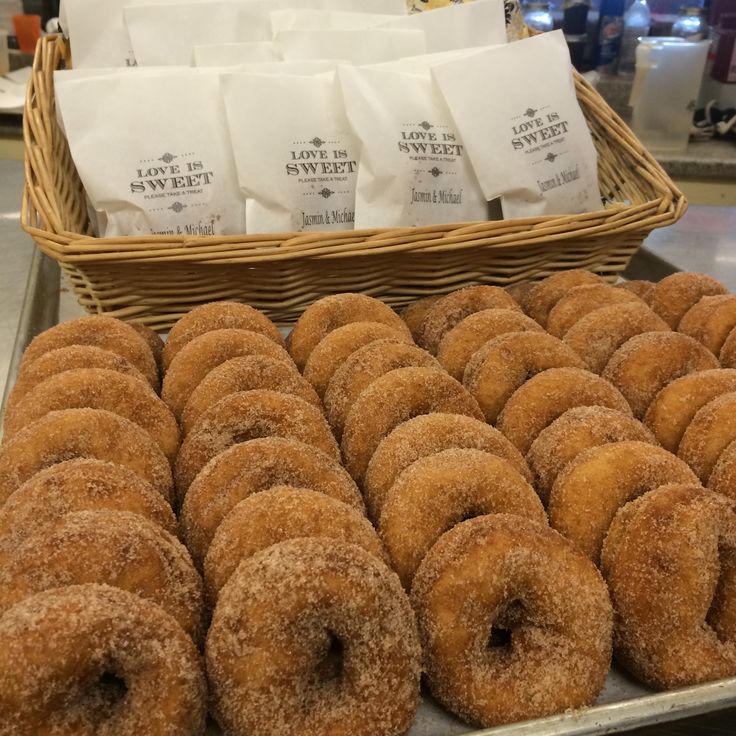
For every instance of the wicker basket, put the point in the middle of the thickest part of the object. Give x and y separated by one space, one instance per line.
156 279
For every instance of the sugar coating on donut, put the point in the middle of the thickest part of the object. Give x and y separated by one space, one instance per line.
599 334
467 337
438 491
670 563
250 468
331 312
98 388
503 364
218 316
60 649
577 430
314 636
452 309
548 395
394 398
337 346
362 368
723 477
674 295
515 622
413 314
153 340
727 356
248 373
642 288
204 353
101 332
278 514
520 292
710 321
549 291
592 487
78 485
87 433
646 363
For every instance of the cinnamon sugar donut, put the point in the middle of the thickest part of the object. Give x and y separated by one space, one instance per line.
250 468
87 660
314 636
427 435
248 373
515 622
582 300
454 308
392 399
204 353
675 294
114 548
218 316
723 478
646 363
413 314
335 311
670 562
362 368
467 337
576 431
153 340
337 346
97 388
550 394
78 485
101 332
710 321
520 292
728 351
643 289
711 430
87 433
598 335
549 291
438 491
598 482
677 403
503 364
278 514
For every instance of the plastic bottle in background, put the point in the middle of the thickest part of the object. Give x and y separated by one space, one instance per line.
610 31
537 15
575 26
637 22
691 24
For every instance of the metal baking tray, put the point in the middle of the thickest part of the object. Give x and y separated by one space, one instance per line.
624 704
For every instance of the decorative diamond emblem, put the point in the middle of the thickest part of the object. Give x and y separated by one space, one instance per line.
435 172
177 207
424 124
530 112
326 193
167 158
550 157
317 142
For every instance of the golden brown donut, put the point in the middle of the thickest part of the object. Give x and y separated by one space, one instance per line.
413 314
520 292
728 351
312 621
101 332
247 416
711 430
598 482
87 660
454 308
646 363
218 316
362 368
582 300
392 399
598 335
427 435
576 431
675 294
670 563
677 403
549 291
723 478
503 364
154 342
332 312
247 373
250 468
515 622
204 353
467 337
89 433
97 388
710 321
278 514
337 346
113 548
82 484
550 394
643 289
438 491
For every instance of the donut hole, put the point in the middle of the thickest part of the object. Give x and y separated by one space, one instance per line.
330 668
103 694
507 618
721 617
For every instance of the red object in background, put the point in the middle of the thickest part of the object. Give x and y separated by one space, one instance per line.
723 50
718 8
28 31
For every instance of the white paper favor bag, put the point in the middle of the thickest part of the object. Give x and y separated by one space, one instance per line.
294 19
234 54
